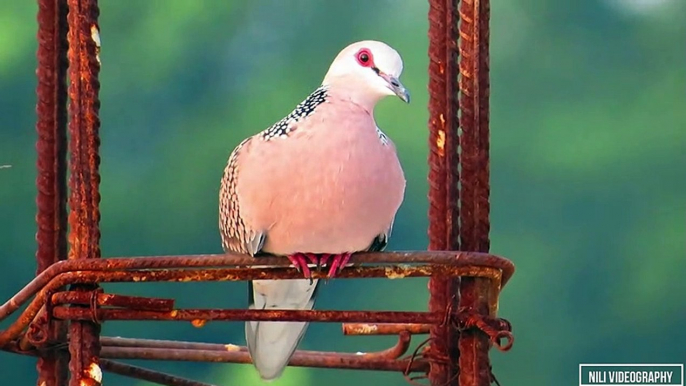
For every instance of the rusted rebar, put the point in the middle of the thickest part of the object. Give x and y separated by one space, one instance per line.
394 352
482 266
437 260
458 220
123 348
384 328
112 300
84 216
189 315
474 110
443 179
299 359
51 217
147 375
475 369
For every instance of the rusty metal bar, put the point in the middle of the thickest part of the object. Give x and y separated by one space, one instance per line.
189 315
394 352
385 360
84 216
147 375
438 260
299 359
51 217
474 109
443 180
187 275
112 300
475 369
384 328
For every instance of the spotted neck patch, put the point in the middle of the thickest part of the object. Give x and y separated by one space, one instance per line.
282 128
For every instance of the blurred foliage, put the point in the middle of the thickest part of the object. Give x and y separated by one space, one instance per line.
588 131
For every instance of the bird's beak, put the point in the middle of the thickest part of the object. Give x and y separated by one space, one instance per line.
397 87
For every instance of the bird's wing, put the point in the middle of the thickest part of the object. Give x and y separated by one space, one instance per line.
236 236
271 344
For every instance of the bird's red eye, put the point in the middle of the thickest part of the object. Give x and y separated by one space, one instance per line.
364 57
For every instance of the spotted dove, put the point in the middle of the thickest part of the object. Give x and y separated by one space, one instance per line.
318 185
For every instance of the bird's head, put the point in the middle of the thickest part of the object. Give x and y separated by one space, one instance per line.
370 69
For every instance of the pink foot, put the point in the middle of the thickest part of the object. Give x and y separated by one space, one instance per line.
300 262
337 263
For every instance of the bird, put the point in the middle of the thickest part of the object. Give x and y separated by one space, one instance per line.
320 184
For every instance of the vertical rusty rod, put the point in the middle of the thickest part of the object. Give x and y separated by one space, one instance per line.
474 180
51 147
84 216
443 178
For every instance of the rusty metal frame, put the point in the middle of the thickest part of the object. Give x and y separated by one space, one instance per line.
65 305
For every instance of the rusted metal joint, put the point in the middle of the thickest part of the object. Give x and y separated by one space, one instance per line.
496 328
98 298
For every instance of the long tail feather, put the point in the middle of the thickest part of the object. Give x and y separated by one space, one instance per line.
271 344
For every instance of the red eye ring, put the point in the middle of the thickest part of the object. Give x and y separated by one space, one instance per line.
365 58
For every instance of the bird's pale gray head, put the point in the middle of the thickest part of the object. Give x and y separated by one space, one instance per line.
373 67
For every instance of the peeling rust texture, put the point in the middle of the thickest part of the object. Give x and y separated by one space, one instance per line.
445 261
112 300
189 315
476 294
51 217
84 238
444 163
142 269
385 328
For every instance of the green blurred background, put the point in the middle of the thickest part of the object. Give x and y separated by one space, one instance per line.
588 134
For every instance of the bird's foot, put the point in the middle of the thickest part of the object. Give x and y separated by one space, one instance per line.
301 260
337 262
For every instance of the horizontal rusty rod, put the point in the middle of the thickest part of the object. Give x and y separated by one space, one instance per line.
116 341
394 352
125 348
109 274
189 315
103 270
385 328
299 359
147 375
130 371
457 258
30 312
113 300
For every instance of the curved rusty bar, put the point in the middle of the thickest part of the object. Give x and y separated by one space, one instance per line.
124 348
394 352
459 259
299 359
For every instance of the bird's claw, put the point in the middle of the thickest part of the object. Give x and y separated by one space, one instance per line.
322 261
301 260
338 263
301 263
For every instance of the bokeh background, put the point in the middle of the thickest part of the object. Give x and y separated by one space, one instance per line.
588 137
